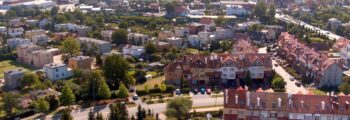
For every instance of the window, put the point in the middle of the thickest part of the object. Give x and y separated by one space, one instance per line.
224 69
307 117
240 113
62 74
57 75
273 115
232 69
56 70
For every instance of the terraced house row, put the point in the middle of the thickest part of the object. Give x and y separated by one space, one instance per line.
310 64
240 104
219 69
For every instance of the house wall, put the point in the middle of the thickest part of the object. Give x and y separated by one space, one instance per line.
57 73
332 76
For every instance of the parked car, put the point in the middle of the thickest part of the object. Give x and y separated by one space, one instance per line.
177 91
297 84
276 65
208 91
291 79
135 97
195 91
202 90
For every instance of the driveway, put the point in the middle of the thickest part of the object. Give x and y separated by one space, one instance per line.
290 86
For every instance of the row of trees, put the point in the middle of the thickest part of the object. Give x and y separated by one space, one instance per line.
265 13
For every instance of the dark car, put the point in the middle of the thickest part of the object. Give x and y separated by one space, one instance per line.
298 84
178 92
202 90
195 91
135 97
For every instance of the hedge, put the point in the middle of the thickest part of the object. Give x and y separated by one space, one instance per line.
169 89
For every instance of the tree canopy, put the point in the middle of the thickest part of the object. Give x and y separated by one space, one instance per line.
115 70
71 47
67 96
178 108
120 36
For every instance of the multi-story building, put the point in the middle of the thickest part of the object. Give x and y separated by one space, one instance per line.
312 65
40 39
237 10
228 69
14 42
133 50
80 62
57 71
12 78
240 104
107 35
99 45
31 33
33 55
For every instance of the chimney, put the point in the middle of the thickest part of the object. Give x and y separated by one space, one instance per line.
258 101
248 98
323 105
302 104
236 99
279 102
226 97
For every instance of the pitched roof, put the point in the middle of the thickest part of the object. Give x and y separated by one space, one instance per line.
205 20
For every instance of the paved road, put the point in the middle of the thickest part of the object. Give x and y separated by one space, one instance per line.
198 100
289 19
290 87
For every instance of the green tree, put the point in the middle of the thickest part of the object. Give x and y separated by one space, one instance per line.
178 108
29 79
104 91
91 115
220 21
150 48
70 47
10 14
260 9
124 25
67 96
98 59
60 18
115 69
53 101
10 103
118 112
92 81
271 13
345 86
278 84
152 26
122 91
162 87
99 116
66 115
120 36
140 76
41 105
54 11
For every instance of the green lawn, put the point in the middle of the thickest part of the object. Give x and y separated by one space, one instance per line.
11 64
153 73
318 92
150 83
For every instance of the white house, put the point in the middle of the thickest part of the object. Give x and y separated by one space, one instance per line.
57 71
15 32
175 41
132 50
66 26
236 10
14 42
3 30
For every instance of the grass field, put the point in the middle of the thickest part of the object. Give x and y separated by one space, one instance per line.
150 83
318 92
11 64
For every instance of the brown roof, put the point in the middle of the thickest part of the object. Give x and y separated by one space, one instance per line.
205 20
243 46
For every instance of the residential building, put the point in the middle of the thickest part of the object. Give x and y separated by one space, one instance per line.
181 31
44 23
340 44
57 71
220 69
194 41
243 46
138 38
40 39
15 32
161 46
29 34
33 55
90 2
207 22
181 11
99 46
163 35
194 28
241 104
83 30
80 62
222 33
3 30
154 7
133 50
13 78
334 23
237 10
12 43
65 27
107 35
175 42
310 64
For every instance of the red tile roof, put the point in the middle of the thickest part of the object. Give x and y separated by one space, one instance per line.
205 20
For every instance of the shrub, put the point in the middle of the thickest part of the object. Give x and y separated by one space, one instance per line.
170 88
185 90
160 101
150 102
